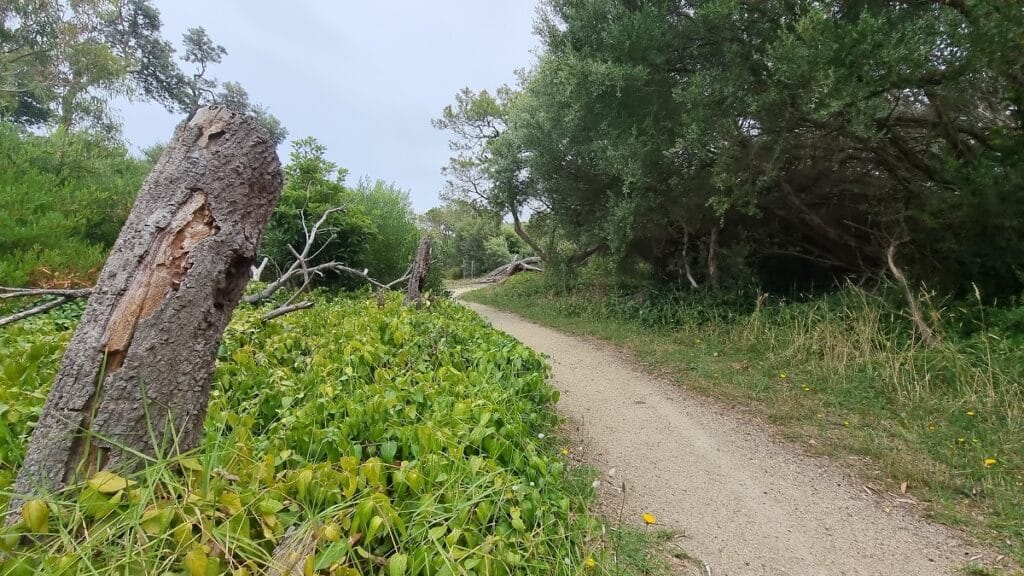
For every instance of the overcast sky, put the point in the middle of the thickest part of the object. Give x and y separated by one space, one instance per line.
363 77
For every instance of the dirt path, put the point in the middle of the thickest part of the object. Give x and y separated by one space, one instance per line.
747 503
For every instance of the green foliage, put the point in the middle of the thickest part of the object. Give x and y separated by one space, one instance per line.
375 228
843 371
67 58
63 199
400 437
61 62
468 241
313 185
392 235
788 144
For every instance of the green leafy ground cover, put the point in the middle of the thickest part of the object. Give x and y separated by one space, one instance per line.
403 441
842 374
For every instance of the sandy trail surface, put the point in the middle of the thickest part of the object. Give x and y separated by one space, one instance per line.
747 503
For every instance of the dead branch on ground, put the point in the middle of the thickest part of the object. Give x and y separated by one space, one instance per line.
506 271
63 297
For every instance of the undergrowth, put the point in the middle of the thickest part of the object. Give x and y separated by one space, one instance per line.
388 440
842 372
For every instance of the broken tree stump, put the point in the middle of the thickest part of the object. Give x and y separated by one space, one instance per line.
136 375
418 272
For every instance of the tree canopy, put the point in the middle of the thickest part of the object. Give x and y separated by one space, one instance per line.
793 144
62 61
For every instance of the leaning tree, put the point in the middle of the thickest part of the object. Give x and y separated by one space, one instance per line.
136 376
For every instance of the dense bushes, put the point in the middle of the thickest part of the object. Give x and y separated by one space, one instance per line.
786 144
63 199
399 437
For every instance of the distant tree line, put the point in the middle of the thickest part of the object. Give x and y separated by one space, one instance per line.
68 182
791 144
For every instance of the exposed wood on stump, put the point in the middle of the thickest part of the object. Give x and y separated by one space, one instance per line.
136 375
418 272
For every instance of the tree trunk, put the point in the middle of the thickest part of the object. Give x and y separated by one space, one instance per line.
136 376
418 272
713 280
517 225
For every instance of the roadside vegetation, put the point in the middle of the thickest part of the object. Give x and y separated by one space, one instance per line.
844 375
402 440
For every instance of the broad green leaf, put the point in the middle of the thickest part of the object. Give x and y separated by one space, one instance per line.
36 516
106 482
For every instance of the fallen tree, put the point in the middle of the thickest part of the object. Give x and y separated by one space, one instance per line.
135 379
504 272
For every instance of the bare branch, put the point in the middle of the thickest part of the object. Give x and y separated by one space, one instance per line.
33 311
257 271
6 292
278 312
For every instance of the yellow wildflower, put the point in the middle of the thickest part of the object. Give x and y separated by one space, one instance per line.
590 562
989 462
970 412
782 375
649 518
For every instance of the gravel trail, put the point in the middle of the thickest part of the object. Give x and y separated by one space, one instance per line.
747 503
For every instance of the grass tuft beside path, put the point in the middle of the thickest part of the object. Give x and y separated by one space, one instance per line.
939 429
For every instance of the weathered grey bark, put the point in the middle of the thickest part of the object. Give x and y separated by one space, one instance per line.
136 375
418 272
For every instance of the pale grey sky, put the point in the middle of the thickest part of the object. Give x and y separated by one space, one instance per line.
363 77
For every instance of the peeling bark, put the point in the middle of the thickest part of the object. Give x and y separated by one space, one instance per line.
136 376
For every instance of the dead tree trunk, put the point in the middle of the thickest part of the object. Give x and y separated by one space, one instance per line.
136 376
418 272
